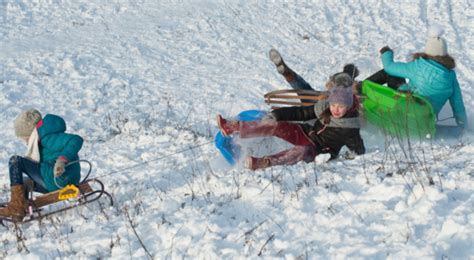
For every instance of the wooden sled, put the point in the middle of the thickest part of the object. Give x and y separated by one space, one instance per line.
294 97
89 190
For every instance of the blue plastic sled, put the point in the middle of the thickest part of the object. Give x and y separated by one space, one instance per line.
226 145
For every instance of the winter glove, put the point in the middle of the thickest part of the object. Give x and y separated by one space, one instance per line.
59 167
350 155
385 49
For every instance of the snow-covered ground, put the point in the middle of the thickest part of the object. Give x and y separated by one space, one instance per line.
142 81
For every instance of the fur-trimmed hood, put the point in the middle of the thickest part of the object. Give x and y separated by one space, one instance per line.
446 60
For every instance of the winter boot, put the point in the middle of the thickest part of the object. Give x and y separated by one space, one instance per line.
227 127
17 205
282 68
254 163
29 186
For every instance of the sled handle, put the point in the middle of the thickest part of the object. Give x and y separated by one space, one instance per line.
74 162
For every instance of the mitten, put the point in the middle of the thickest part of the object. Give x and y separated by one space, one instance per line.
59 167
350 155
385 49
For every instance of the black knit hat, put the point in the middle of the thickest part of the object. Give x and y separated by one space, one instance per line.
346 77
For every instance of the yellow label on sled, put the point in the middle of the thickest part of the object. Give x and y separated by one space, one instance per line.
68 192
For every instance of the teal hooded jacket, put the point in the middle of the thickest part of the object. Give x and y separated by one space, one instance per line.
431 80
53 143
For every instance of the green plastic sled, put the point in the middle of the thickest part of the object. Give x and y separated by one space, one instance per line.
397 113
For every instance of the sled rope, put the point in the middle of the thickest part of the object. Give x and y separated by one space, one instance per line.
155 159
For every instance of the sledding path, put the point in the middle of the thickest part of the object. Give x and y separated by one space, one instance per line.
142 82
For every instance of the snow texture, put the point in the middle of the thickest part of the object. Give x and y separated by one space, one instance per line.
142 81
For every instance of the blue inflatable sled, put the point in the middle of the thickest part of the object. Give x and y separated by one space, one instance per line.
228 148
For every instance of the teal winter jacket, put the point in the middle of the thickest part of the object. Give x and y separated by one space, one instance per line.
430 79
53 143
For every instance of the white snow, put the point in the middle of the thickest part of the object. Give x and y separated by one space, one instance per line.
142 81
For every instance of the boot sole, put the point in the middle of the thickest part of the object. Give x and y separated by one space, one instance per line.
275 57
252 163
6 212
249 163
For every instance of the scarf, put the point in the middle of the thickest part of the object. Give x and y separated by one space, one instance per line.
32 151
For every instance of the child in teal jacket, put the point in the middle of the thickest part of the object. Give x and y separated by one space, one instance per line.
48 153
431 74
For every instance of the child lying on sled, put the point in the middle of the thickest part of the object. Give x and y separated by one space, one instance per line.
49 150
336 125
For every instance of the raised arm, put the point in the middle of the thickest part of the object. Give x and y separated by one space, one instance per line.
294 113
397 69
457 104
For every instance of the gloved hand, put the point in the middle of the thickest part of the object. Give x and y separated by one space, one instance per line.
350 155
59 167
385 49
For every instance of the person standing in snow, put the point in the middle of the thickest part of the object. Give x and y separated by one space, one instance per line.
344 78
336 124
45 163
431 74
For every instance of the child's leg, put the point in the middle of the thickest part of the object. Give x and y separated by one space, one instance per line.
300 83
19 165
295 80
292 133
31 185
294 155
381 77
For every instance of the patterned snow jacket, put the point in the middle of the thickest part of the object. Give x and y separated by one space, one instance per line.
434 79
53 143
328 138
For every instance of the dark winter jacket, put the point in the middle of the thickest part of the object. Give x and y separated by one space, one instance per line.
54 142
327 138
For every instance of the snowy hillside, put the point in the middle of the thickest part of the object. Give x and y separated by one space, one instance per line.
142 81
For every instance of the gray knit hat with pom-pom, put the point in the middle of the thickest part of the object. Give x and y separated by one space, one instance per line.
26 121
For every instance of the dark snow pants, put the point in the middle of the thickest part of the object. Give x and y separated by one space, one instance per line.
299 83
381 77
19 165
